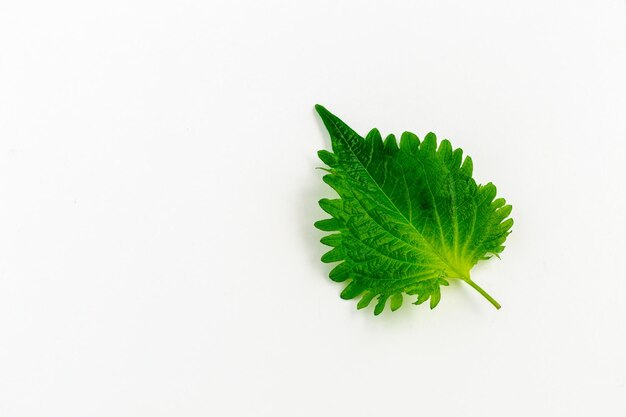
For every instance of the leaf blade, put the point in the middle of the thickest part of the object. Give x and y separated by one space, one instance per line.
408 216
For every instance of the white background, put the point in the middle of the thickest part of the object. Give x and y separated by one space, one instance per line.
158 189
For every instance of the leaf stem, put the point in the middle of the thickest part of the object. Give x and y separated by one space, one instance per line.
483 293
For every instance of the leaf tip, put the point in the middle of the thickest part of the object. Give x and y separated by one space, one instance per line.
322 111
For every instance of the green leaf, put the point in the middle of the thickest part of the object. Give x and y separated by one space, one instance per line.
409 217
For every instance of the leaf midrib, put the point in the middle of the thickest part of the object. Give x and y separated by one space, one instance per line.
432 249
